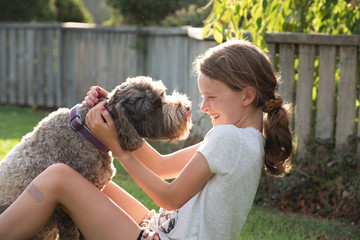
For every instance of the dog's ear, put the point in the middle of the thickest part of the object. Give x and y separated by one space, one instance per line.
129 138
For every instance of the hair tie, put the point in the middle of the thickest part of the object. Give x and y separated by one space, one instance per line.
272 104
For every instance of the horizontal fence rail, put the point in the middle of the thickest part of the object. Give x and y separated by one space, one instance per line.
53 65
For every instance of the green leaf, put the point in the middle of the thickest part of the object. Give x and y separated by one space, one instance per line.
206 30
210 18
264 4
258 22
218 36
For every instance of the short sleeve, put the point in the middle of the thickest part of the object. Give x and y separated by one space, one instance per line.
221 148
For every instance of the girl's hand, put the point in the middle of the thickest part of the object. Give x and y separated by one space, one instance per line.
105 131
92 96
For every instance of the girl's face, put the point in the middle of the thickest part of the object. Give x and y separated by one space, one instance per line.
223 105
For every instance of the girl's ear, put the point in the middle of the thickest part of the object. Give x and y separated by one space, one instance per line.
249 94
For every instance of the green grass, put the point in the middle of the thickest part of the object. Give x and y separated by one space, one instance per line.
15 123
261 224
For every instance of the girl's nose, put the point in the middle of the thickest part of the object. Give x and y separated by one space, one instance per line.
203 106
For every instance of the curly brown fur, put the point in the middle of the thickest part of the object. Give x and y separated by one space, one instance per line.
139 107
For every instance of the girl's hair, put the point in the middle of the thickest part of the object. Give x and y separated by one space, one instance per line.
239 63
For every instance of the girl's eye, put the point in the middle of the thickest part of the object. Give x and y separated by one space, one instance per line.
208 97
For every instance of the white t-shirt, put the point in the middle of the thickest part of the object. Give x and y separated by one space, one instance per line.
219 210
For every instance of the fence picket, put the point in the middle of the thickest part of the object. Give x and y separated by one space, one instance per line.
326 93
272 53
40 48
304 96
12 67
30 67
347 95
21 68
3 66
58 63
50 93
287 71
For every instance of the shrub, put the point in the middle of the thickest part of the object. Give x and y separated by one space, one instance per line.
44 10
191 16
146 12
143 12
72 11
30 10
325 183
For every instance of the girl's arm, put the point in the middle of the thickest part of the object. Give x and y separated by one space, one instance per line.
166 166
170 196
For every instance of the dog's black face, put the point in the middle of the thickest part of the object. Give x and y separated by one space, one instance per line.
140 108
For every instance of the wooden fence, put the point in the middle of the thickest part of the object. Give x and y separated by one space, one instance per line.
53 65
320 75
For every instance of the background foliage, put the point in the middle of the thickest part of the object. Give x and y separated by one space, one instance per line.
98 9
108 12
324 184
193 16
44 10
72 11
230 18
147 12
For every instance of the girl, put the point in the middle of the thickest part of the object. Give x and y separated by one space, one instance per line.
215 181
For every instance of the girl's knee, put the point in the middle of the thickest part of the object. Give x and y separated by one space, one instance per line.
58 173
50 182
59 169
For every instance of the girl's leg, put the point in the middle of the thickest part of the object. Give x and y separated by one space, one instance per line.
94 213
125 201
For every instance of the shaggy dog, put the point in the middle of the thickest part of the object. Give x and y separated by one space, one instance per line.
140 109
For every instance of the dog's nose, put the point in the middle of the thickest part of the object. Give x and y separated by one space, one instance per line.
187 108
188 114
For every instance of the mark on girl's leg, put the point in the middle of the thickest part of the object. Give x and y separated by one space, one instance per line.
35 193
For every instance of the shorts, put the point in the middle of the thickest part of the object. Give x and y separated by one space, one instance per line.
154 222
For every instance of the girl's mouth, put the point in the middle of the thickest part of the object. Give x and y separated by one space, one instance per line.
214 116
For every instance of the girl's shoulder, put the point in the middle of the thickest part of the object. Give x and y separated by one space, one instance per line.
227 146
231 131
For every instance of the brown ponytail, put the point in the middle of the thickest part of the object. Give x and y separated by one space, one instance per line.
278 144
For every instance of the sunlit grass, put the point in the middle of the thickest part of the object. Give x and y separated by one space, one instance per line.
15 123
6 146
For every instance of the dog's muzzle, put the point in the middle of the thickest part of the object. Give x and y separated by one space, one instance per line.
188 115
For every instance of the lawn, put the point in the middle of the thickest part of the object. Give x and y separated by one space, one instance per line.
261 224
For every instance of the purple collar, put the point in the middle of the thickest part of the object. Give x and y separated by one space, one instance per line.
78 126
